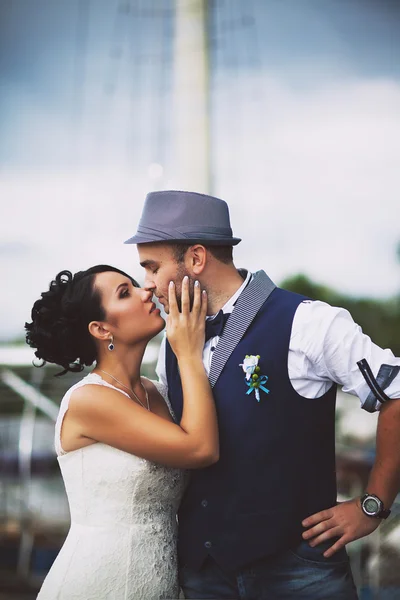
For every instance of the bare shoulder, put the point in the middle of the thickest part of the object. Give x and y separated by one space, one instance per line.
92 397
89 391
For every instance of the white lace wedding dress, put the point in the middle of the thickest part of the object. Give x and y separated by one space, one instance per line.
122 540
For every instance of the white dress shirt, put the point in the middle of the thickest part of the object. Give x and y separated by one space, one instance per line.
325 346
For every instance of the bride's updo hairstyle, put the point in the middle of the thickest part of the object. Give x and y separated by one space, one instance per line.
60 319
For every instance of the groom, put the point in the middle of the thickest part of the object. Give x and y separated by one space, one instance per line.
263 522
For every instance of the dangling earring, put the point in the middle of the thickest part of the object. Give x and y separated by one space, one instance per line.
111 344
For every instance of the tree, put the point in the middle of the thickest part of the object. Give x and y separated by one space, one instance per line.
380 319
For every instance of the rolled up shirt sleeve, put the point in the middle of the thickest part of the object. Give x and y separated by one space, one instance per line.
333 344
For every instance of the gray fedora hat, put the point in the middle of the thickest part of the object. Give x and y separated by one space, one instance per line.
186 218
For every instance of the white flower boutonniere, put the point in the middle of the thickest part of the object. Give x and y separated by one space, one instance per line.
254 379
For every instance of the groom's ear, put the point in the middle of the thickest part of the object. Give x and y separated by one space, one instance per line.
98 331
198 259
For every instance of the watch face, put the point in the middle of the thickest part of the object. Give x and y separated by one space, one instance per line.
371 506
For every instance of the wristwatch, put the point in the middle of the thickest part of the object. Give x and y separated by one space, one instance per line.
372 506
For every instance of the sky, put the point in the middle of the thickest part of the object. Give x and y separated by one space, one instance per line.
304 129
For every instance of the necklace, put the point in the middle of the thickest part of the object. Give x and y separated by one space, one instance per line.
131 390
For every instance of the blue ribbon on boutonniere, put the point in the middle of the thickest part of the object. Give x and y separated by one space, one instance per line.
254 379
256 386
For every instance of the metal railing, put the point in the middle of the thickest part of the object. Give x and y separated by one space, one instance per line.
33 401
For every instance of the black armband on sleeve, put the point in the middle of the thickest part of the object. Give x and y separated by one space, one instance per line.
384 378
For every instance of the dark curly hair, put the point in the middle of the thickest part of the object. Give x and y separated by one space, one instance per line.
60 318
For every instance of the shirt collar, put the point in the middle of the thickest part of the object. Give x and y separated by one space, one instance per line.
230 304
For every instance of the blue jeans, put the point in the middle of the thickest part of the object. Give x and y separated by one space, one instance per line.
301 572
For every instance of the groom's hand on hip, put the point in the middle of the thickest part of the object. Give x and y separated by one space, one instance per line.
345 521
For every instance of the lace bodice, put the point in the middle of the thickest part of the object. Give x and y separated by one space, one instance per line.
122 541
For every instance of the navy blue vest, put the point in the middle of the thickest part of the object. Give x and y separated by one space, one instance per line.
277 456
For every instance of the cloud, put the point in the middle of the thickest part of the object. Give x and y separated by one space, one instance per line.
67 220
14 249
311 176
316 174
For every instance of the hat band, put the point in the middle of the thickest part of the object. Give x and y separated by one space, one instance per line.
158 232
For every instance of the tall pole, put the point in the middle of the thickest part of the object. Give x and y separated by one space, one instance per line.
191 134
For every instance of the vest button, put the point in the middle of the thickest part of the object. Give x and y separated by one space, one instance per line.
207 544
212 348
204 503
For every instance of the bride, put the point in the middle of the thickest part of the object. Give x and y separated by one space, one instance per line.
121 455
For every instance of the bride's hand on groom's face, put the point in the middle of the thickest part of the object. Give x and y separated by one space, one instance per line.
185 327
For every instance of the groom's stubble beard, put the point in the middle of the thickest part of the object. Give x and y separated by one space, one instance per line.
180 274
